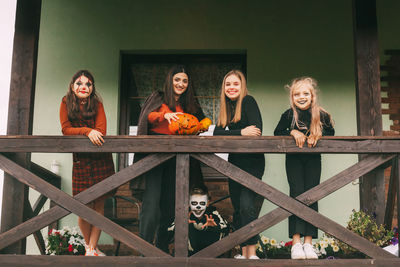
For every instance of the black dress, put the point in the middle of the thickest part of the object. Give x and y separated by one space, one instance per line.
303 171
244 200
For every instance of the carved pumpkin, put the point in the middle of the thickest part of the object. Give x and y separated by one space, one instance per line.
188 124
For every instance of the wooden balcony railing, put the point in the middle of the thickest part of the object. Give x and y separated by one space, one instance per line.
380 151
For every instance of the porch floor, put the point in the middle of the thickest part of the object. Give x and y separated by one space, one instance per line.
59 261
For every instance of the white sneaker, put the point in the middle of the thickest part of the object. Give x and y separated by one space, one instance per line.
297 252
239 256
254 257
91 252
99 252
309 252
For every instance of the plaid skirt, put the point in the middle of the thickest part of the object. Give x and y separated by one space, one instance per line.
89 169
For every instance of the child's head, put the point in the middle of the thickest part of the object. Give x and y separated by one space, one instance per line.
198 201
303 93
178 89
234 88
82 84
82 91
303 96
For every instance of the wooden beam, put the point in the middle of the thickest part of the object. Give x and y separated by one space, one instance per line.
295 207
37 235
181 205
20 111
199 144
368 96
82 198
67 261
391 196
398 191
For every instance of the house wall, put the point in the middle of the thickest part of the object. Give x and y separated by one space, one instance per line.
282 39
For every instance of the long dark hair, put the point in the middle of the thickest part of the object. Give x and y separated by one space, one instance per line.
73 102
187 100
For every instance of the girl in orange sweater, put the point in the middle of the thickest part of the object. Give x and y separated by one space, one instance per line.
82 113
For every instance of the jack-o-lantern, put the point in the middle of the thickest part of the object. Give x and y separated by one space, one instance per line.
188 124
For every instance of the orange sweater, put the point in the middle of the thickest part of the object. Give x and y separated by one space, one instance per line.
68 129
158 124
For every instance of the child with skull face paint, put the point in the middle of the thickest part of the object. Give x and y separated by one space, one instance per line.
306 121
82 113
206 225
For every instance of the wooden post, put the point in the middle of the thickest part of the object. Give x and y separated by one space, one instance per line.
20 112
397 173
181 205
369 114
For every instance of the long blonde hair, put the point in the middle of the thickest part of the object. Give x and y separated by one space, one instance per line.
312 85
224 117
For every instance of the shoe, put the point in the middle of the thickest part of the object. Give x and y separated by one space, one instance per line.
309 252
297 252
239 256
254 257
91 252
99 252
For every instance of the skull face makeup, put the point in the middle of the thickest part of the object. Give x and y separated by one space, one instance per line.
198 204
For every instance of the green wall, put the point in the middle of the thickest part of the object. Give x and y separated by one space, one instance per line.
283 39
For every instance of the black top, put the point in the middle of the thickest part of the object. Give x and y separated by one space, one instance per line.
250 115
287 123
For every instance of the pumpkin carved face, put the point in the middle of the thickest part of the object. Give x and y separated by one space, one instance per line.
188 124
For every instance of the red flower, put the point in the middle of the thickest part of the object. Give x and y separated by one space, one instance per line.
288 244
70 248
51 231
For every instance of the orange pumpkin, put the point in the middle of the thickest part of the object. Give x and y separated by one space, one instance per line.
188 124
204 124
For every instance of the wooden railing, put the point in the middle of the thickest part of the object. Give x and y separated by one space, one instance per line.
381 151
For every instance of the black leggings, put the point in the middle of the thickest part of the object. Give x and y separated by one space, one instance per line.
246 203
303 173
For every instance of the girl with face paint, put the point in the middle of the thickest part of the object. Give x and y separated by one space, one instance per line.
82 113
158 111
306 121
239 115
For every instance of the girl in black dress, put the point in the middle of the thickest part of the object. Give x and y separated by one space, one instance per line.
306 121
239 115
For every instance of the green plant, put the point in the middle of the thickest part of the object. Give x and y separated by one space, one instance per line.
366 226
327 247
270 248
65 242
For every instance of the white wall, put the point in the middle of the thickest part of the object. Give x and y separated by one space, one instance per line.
7 21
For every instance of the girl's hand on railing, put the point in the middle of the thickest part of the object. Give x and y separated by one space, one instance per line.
251 130
312 140
96 137
299 137
171 116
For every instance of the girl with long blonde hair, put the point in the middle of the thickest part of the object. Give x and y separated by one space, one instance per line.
239 115
306 121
